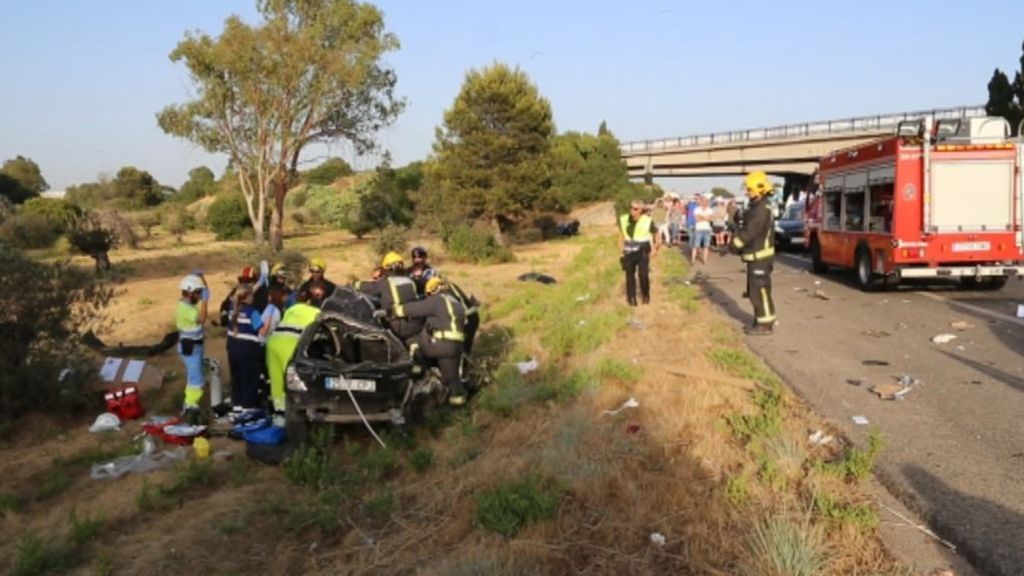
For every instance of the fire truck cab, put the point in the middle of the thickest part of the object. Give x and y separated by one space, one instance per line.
940 201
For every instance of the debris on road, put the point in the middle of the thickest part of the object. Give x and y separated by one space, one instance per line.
1020 310
658 539
907 380
632 428
890 391
528 366
943 338
634 323
820 295
876 333
819 438
961 325
631 403
902 326
536 277
875 363
140 463
799 289
854 381
860 420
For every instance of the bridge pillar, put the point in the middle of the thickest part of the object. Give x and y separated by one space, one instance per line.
648 179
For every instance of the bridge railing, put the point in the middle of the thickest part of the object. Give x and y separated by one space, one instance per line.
859 124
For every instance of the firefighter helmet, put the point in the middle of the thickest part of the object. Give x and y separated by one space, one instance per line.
391 260
757 184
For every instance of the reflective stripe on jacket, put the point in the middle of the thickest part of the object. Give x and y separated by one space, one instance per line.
641 232
756 239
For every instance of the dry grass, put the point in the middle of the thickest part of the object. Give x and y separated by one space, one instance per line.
672 466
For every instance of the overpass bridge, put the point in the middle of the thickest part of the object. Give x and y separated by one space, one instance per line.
791 151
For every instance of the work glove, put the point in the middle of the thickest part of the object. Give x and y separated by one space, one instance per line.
380 315
205 295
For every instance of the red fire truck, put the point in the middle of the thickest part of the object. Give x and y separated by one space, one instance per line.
940 201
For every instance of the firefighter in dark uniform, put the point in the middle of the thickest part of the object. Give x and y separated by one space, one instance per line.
638 241
394 290
755 241
443 336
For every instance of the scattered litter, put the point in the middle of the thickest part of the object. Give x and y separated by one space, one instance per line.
817 282
875 363
907 380
902 326
943 338
1020 310
220 455
819 438
891 391
658 539
975 382
904 301
876 333
528 366
961 325
960 348
105 422
860 420
201 446
583 298
581 323
536 277
854 381
631 403
634 323
138 464
820 295
632 428
799 289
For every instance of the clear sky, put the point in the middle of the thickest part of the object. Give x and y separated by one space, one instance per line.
84 80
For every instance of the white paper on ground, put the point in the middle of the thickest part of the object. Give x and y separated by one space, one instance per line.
110 368
860 420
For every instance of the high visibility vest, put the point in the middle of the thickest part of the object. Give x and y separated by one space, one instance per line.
296 318
454 331
641 232
402 290
185 319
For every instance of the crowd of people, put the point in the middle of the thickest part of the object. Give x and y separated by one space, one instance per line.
700 220
264 318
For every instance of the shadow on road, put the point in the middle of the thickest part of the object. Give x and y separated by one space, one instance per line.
980 528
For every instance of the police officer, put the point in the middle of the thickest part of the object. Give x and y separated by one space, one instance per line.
638 241
442 337
395 291
755 241
281 346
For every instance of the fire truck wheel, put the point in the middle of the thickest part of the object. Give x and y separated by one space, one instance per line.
817 266
866 278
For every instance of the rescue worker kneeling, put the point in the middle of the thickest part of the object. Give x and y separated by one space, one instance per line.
395 291
442 337
755 241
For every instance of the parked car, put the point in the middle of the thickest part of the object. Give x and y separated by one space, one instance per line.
350 368
789 229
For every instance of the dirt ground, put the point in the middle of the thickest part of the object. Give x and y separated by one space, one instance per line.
670 467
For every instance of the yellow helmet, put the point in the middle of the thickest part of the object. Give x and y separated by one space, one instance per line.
433 285
278 269
757 184
391 259
317 264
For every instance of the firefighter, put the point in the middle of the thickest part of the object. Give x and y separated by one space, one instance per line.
755 241
442 337
394 290
317 268
281 346
189 319
638 241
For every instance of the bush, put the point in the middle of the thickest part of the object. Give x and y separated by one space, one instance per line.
42 365
392 239
93 238
178 220
331 170
778 547
60 212
29 231
147 220
298 198
511 506
228 217
467 244
337 208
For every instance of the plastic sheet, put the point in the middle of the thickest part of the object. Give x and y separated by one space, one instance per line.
138 464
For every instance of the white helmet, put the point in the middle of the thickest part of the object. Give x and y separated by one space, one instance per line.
191 283
105 422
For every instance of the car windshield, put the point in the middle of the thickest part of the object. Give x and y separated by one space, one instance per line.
794 212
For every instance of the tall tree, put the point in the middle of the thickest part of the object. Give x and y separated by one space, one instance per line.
586 168
201 182
134 188
492 151
23 179
311 71
1006 98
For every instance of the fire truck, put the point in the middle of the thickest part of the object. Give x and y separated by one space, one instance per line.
936 200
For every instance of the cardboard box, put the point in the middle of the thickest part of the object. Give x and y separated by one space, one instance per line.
126 371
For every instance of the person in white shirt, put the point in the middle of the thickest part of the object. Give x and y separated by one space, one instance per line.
702 230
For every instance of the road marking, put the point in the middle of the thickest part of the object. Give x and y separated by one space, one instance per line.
973 308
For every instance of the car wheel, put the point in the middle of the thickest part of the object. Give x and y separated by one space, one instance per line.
866 279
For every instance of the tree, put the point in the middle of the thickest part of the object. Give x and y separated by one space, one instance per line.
492 151
602 129
719 192
385 204
134 188
1006 99
586 168
201 183
91 237
328 172
310 72
21 179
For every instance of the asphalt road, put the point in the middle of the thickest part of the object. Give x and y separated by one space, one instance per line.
954 445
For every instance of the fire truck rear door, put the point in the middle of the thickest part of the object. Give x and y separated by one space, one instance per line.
972 195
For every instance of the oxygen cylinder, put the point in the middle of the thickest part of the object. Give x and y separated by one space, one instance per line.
216 389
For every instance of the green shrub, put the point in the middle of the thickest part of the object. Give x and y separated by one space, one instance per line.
392 239
36 556
60 212
856 464
421 459
30 231
228 217
336 208
778 547
511 506
298 198
468 244
861 516
85 529
329 171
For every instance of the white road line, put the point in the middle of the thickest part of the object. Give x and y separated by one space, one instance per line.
973 308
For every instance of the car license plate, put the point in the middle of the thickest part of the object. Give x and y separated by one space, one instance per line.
353 384
971 246
796 240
